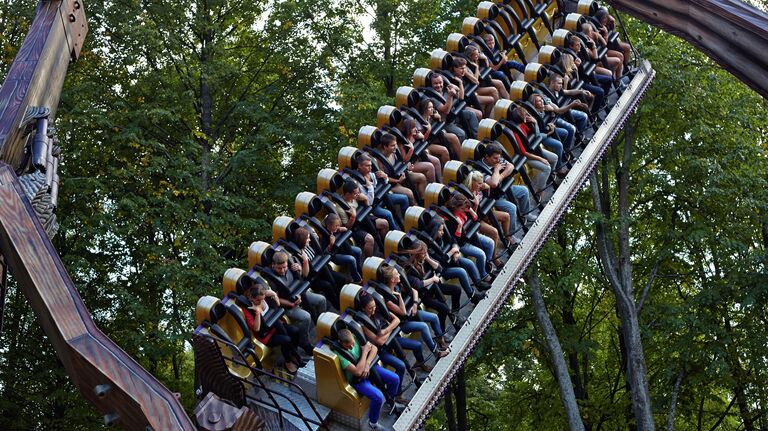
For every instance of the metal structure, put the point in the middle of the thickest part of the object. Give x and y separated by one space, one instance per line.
733 34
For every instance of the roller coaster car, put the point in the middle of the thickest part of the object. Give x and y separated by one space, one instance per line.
513 23
457 43
441 62
408 99
261 255
390 119
329 187
369 140
372 270
437 195
236 282
224 321
455 173
352 299
333 390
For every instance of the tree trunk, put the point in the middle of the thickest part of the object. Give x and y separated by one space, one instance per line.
618 270
556 353
673 401
460 390
448 405
384 28
206 106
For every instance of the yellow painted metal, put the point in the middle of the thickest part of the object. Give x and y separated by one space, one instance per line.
229 283
469 147
347 156
255 253
501 110
432 194
392 242
451 171
412 216
347 296
370 268
420 77
280 227
365 136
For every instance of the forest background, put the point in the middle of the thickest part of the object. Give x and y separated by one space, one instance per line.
187 127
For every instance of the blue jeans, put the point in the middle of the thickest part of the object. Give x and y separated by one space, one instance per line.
368 390
433 320
386 215
469 266
599 95
350 262
462 276
517 194
393 361
412 345
478 254
392 199
580 118
423 328
556 147
566 131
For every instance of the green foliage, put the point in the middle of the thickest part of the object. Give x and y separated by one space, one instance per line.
186 129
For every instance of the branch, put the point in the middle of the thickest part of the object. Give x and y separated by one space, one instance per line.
647 287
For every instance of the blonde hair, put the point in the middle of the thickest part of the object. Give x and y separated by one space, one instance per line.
473 177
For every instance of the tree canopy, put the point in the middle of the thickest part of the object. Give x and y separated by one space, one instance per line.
186 130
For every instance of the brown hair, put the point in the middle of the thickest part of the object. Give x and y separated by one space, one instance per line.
300 236
457 200
279 258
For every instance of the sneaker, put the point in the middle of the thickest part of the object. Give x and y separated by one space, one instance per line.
477 297
374 426
531 217
458 321
394 408
421 366
482 285
441 353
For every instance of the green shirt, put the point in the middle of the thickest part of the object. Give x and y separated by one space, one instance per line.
355 351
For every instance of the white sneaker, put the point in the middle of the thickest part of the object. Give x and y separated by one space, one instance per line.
374 427
531 217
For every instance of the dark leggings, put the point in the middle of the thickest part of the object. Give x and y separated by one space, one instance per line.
287 337
438 303
330 283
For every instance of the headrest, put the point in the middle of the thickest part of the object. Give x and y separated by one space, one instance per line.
371 267
329 180
233 281
259 253
535 72
487 10
574 21
395 242
210 309
416 217
436 194
281 228
368 136
440 60
489 129
348 156
561 38
472 26
549 54
455 171
520 90
456 42
388 115
587 7
307 203
407 96
472 149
